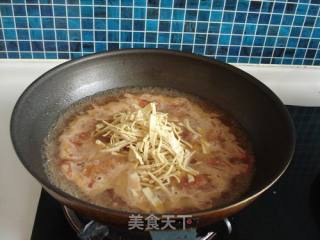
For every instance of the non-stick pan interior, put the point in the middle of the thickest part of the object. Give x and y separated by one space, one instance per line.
251 103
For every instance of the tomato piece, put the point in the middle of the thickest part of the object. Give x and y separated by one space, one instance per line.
143 103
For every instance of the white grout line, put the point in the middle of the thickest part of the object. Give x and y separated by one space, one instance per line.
184 24
158 25
236 34
132 25
55 32
179 20
68 30
119 36
107 27
152 31
98 5
171 23
4 37
208 28
29 34
145 24
220 27
81 30
93 28
196 26
202 44
16 32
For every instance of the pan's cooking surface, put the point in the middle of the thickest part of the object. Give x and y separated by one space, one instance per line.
257 109
286 211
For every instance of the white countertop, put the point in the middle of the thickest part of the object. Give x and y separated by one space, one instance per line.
19 192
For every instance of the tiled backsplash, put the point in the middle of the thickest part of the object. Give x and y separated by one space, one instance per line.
277 32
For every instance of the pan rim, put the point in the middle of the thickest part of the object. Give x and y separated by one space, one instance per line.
83 204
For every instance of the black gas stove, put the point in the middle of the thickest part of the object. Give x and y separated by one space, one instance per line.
289 210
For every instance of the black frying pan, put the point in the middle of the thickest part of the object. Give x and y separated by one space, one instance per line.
256 107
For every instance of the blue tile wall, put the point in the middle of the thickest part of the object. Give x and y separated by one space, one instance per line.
243 31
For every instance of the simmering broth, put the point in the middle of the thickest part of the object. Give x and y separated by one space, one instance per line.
149 150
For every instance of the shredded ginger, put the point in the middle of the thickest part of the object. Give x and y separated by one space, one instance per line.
152 142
